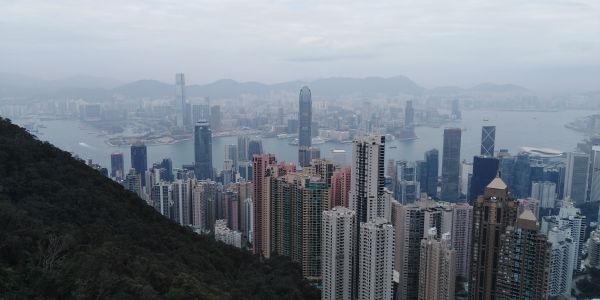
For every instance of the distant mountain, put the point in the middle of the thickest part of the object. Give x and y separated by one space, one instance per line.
67 232
499 88
85 81
91 87
145 89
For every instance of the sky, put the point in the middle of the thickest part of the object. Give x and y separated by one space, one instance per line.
541 44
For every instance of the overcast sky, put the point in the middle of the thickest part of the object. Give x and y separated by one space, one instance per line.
537 43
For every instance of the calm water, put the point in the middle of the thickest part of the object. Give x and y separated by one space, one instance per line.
513 130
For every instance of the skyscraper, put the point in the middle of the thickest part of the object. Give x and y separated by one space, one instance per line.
411 222
231 152
368 178
203 151
216 118
406 184
576 177
523 261
493 212
261 201
139 159
242 147
183 114
561 263
340 187
545 192
488 140
376 260
433 164
338 243
460 234
117 165
409 114
305 122
485 169
437 270
451 165
133 182
595 173
307 154
255 147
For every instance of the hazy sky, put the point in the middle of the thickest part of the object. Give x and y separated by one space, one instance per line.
538 43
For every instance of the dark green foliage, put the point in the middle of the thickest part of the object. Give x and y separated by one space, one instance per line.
589 287
66 232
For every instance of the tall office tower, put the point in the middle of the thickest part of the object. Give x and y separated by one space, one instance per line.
595 174
368 179
182 202
255 147
507 164
216 118
117 166
456 114
576 177
181 103
339 156
261 200
376 259
242 147
139 159
521 176
245 170
409 114
307 154
561 264
231 152
460 233
406 185
485 169
422 175
248 232
545 192
340 187
524 261
493 212
466 172
133 182
338 243
531 204
162 198
228 173
433 164
164 169
451 165
410 223
594 249
569 217
488 140
390 170
305 123
203 151
437 270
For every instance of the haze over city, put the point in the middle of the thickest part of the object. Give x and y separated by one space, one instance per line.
333 150
547 46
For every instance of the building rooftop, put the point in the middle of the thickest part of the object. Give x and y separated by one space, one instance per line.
497 184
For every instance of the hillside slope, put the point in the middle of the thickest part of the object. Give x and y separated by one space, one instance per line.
66 232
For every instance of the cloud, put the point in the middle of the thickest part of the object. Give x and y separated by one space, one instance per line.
270 40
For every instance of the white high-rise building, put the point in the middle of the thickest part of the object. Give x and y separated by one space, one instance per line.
437 271
460 236
376 260
226 235
561 262
338 246
182 202
466 171
162 198
545 192
594 249
248 219
569 217
595 188
368 179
